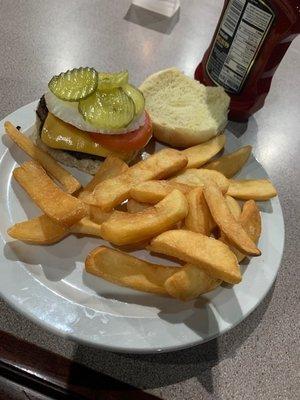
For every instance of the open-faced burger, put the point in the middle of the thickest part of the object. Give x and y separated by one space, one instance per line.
86 115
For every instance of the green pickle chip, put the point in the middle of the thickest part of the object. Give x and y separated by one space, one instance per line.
75 84
109 109
108 81
137 96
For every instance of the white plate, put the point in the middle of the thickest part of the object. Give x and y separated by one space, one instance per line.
48 283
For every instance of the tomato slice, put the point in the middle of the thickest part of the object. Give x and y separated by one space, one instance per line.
134 140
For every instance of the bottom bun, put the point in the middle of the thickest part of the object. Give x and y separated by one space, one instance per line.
179 138
87 165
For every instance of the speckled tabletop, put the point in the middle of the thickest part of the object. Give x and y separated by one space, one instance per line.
259 359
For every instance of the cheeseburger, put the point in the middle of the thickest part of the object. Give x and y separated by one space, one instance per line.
87 115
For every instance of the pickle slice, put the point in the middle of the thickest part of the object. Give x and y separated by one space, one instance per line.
108 81
109 110
137 96
75 84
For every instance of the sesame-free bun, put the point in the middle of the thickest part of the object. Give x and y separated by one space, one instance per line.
183 111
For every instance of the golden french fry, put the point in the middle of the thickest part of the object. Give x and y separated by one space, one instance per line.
154 191
125 270
233 230
250 220
86 227
43 230
111 167
233 206
123 228
190 282
252 189
58 205
236 211
198 177
199 218
232 163
69 183
113 191
97 215
40 230
134 206
208 254
87 198
201 153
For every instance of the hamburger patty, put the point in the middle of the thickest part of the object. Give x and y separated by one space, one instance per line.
42 112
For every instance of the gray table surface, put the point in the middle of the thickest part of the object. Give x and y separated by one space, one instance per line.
259 359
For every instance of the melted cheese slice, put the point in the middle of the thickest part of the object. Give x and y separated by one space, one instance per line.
60 135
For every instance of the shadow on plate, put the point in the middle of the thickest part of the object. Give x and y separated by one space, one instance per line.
24 200
162 303
265 206
156 370
54 263
152 20
16 153
196 314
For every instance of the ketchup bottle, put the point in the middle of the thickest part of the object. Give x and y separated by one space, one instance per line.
251 38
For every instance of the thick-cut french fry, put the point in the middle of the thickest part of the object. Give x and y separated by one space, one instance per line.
198 177
111 167
250 220
199 218
233 230
252 189
154 191
125 270
97 215
201 153
40 230
134 206
113 191
232 163
236 211
69 183
58 205
190 282
208 254
43 230
86 227
124 228
233 206
184 283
